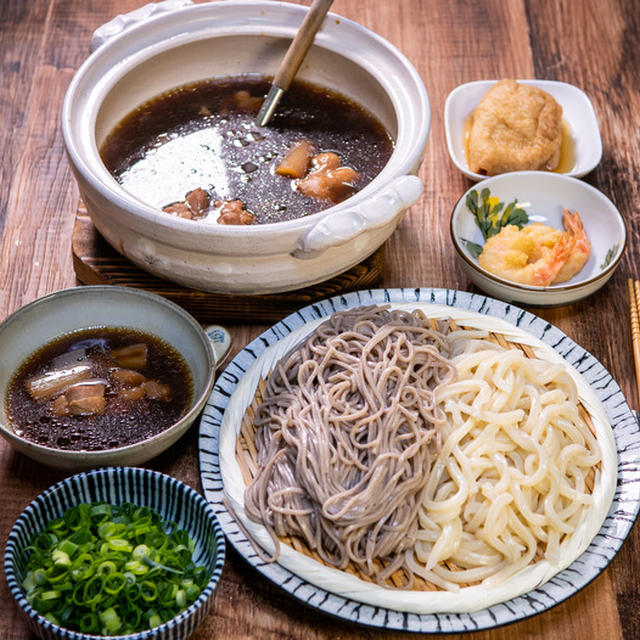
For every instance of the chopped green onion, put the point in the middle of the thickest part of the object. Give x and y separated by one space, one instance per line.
44 541
99 568
60 557
90 623
148 591
100 512
47 601
157 565
74 518
68 547
136 567
140 551
106 567
40 576
111 621
56 572
154 620
192 591
83 567
92 591
51 618
114 583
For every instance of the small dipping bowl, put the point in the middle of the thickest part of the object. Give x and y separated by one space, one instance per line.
543 196
69 310
172 499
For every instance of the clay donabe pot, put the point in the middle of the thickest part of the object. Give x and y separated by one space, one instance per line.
169 44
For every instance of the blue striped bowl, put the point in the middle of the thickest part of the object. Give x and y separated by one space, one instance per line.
172 499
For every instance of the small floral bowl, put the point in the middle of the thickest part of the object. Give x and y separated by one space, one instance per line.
543 196
172 499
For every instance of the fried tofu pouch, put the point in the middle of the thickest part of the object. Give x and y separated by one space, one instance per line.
515 127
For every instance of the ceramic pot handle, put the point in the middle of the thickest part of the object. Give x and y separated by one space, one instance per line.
220 340
127 20
342 226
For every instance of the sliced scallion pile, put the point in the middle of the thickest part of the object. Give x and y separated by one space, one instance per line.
111 570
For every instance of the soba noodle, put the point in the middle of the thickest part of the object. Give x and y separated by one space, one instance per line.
511 482
344 437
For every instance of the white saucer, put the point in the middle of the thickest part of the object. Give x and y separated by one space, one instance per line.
577 112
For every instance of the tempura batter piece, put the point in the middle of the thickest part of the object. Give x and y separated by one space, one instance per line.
538 254
515 127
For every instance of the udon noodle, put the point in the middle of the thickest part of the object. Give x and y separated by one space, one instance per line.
345 433
511 482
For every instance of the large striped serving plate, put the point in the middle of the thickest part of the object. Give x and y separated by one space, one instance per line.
586 567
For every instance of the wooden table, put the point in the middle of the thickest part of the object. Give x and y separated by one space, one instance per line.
591 43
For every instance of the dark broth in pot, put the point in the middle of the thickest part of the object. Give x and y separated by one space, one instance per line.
203 136
97 389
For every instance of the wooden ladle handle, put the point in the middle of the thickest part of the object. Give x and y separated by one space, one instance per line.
301 43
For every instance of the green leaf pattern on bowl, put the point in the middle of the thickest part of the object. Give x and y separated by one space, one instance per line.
491 217
609 257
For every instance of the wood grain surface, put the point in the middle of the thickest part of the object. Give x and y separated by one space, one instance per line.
591 43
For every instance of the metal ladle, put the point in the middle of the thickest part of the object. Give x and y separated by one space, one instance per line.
293 59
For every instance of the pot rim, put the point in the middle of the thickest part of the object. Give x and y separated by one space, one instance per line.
408 100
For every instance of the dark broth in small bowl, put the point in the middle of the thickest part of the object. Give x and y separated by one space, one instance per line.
99 388
194 149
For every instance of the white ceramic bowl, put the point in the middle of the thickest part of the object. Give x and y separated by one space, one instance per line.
544 195
161 46
577 112
56 314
